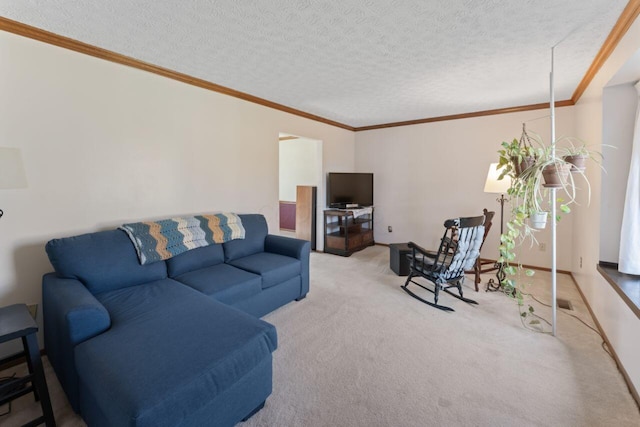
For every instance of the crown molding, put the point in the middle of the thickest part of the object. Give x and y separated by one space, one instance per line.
627 18
34 33
518 109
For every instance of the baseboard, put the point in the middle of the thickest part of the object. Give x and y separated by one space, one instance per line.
532 267
630 385
535 267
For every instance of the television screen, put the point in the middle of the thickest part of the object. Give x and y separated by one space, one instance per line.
349 188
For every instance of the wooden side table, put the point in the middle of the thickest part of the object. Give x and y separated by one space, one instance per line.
16 322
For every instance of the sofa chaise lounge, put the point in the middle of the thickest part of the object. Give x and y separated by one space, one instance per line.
171 343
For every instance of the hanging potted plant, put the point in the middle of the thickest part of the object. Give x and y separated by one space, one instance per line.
578 161
519 155
530 203
556 173
577 154
538 220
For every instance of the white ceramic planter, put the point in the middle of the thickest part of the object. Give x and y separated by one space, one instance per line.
538 220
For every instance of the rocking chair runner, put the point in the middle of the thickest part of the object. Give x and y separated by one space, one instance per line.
458 251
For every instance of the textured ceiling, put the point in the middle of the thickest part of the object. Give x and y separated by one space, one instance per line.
357 62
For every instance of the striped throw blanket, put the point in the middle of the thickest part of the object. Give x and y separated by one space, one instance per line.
160 240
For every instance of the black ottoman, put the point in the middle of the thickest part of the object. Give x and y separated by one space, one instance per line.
398 258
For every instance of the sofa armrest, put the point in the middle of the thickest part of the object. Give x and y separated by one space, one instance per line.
287 246
69 304
71 315
295 248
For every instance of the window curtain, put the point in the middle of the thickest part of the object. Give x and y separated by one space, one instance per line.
629 260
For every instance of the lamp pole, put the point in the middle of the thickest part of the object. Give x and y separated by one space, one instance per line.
495 185
501 200
493 286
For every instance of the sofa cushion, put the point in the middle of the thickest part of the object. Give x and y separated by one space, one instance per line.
223 282
169 352
195 259
256 231
102 261
273 268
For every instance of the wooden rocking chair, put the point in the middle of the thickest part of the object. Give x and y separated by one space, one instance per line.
458 252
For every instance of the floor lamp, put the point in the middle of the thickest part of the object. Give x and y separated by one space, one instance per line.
497 186
11 170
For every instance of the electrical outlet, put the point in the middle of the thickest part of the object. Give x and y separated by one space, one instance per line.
543 246
33 310
389 229
580 262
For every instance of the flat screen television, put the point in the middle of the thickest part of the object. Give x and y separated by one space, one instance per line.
349 189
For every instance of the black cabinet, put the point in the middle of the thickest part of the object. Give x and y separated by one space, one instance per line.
398 260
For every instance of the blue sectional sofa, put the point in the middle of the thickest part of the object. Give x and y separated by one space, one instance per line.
172 343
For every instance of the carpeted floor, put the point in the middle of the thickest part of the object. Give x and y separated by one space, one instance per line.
358 351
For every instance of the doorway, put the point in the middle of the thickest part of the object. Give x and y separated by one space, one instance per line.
300 164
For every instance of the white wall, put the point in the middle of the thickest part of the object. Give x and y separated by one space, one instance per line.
619 104
300 164
620 324
105 144
424 174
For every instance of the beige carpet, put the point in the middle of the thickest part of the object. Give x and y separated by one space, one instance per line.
360 352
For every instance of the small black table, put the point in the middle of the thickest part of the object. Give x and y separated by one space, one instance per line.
16 322
398 258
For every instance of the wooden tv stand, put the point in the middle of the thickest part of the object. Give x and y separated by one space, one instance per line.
344 234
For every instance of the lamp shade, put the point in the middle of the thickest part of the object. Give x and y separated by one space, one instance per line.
493 184
11 169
